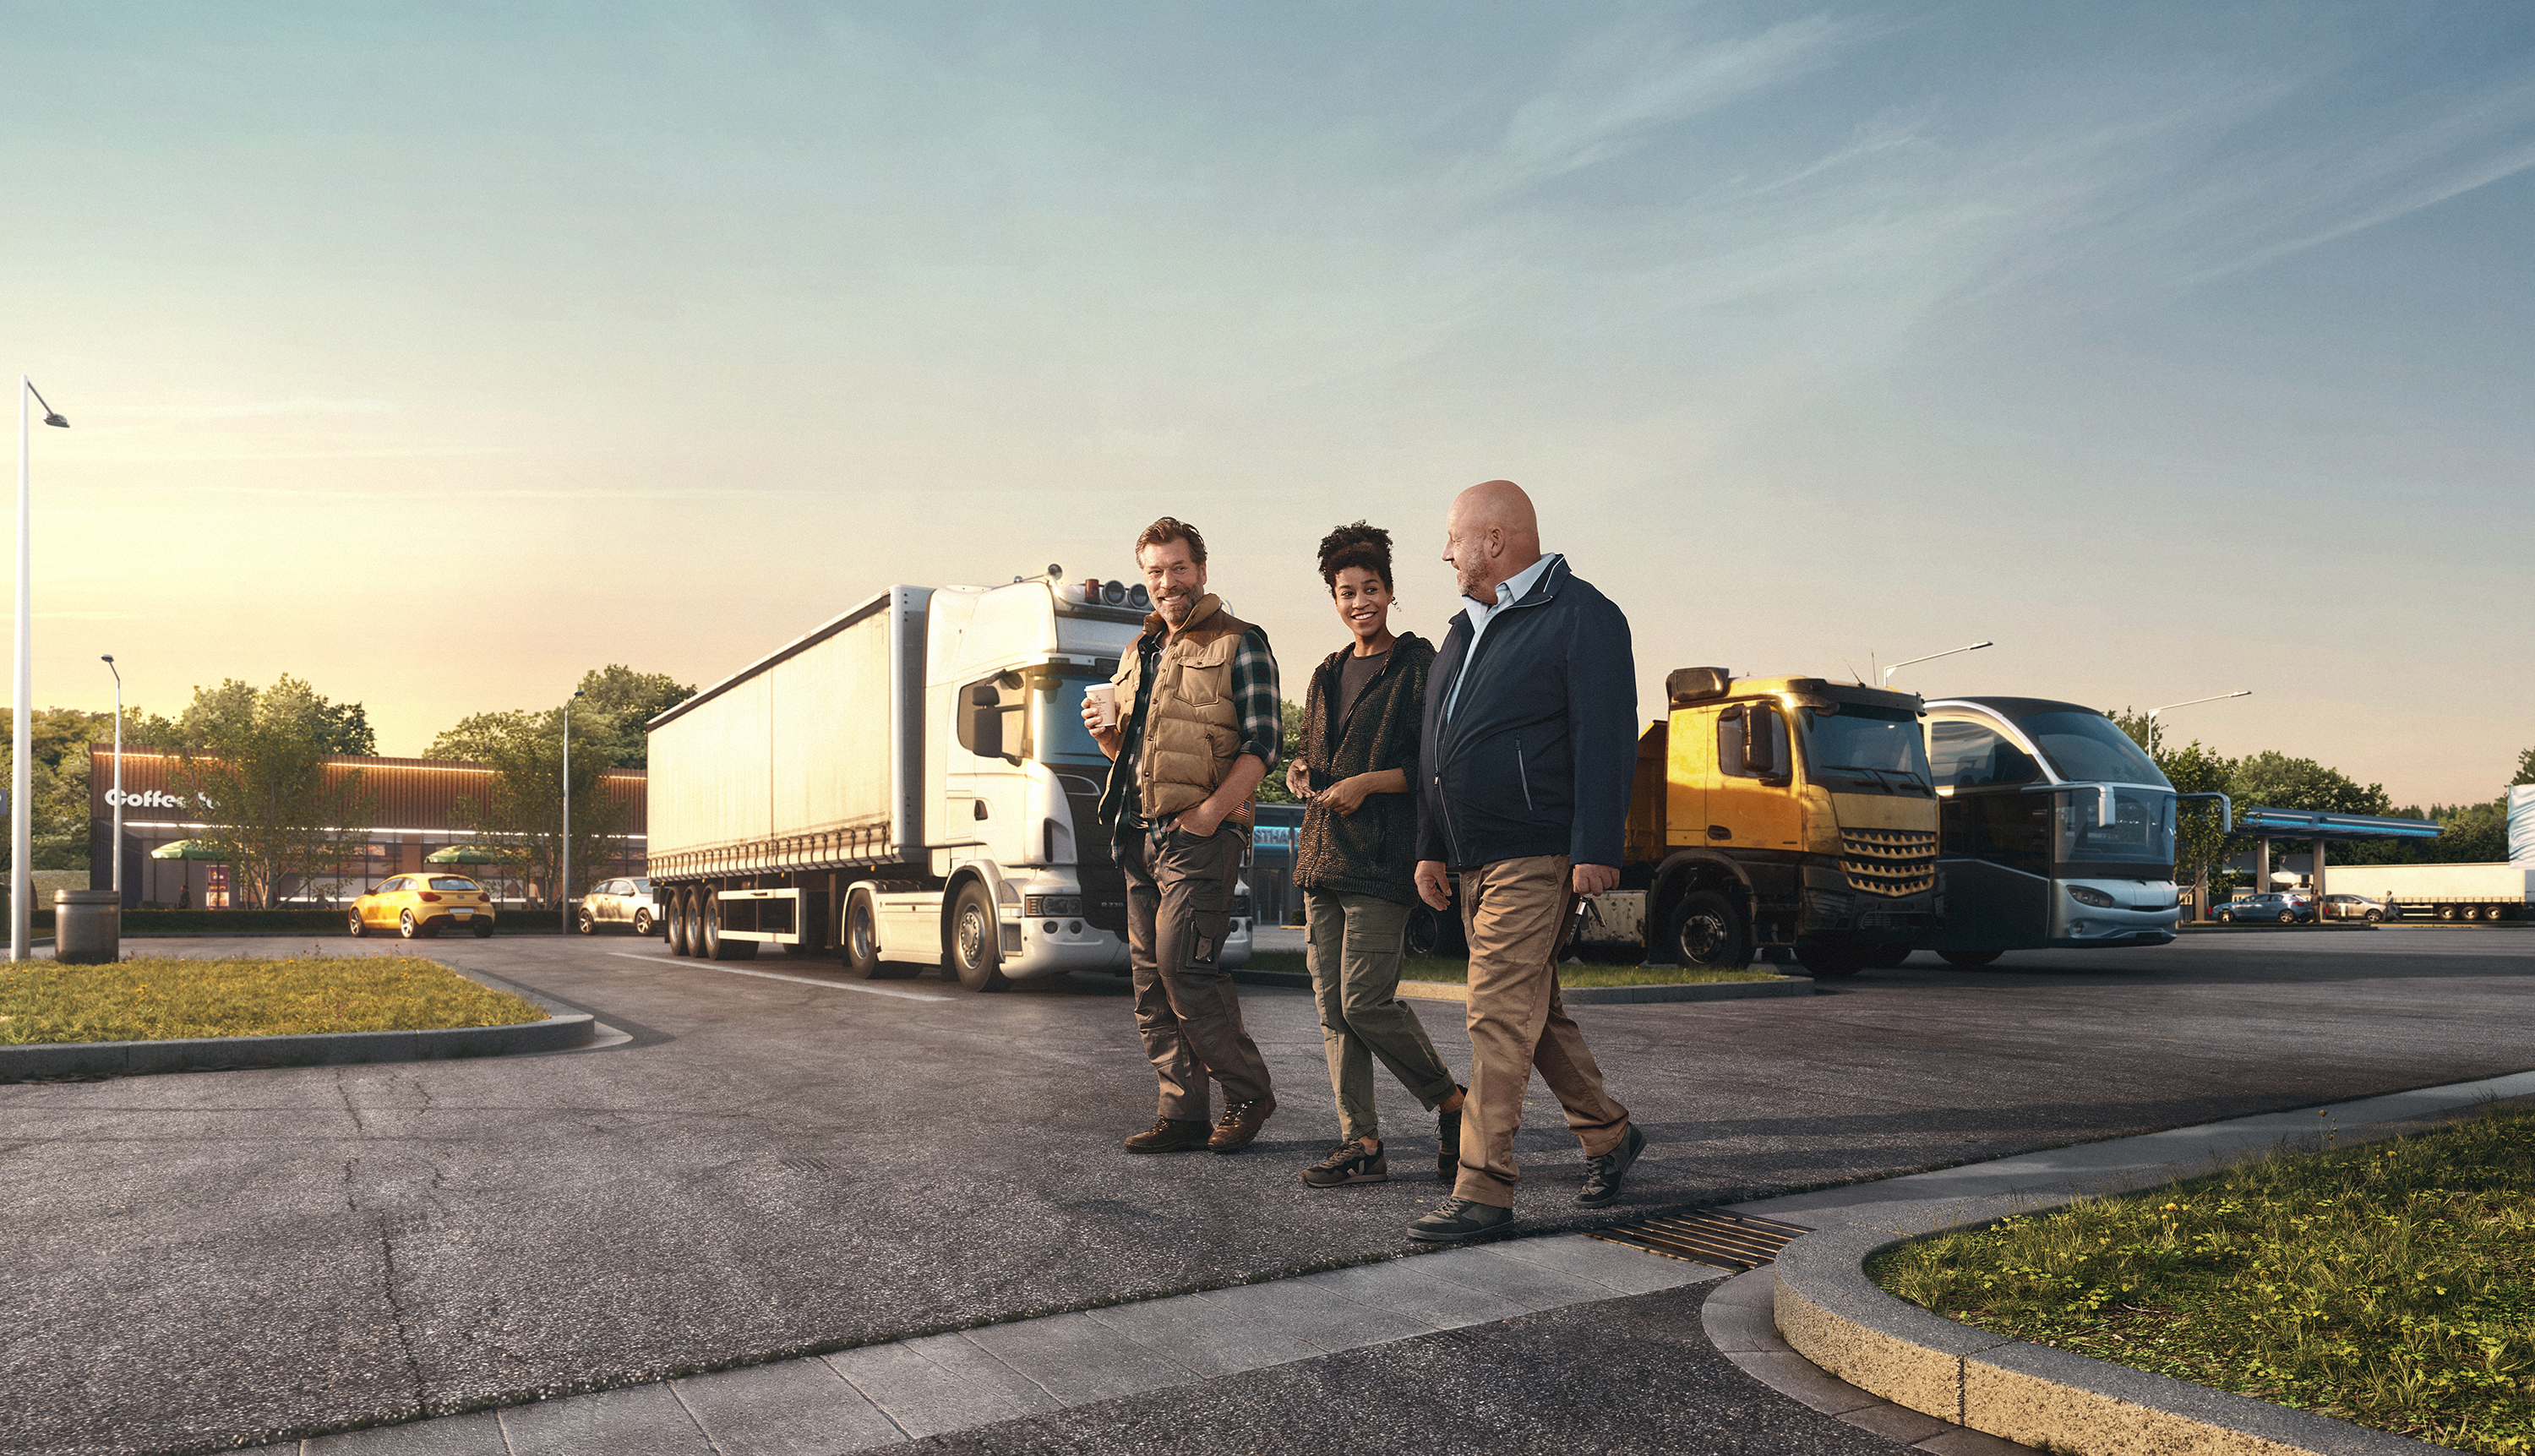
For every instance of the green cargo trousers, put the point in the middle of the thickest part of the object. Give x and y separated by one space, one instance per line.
1355 943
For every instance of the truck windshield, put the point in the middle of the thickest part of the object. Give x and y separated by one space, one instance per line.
2087 747
1869 750
1057 734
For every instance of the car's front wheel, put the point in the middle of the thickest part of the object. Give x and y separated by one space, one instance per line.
2225 918
586 923
358 927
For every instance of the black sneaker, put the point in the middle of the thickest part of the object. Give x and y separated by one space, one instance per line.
1448 1141
1460 1218
1602 1174
1350 1164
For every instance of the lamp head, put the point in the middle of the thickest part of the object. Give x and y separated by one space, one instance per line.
106 658
57 421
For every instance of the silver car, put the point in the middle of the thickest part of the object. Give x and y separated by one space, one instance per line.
617 903
2359 908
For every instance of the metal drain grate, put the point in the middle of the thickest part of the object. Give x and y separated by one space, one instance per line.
1727 1241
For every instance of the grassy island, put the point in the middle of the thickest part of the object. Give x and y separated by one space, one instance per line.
161 998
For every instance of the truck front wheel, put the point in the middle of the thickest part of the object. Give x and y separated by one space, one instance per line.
1707 931
976 947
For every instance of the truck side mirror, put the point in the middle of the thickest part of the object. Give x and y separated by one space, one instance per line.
1759 743
985 721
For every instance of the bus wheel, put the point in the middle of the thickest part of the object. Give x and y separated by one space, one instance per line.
861 948
976 946
1433 932
1970 960
1707 931
1885 957
1823 961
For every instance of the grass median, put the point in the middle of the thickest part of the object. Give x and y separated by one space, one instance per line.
1456 968
159 998
2391 1284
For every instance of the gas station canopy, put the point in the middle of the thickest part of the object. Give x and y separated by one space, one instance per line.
2305 824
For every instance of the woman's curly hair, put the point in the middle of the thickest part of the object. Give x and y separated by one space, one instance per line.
1357 545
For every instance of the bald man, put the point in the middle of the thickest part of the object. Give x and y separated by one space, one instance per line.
1529 744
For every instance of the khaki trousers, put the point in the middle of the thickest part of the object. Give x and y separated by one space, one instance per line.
1178 904
1515 914
1355 943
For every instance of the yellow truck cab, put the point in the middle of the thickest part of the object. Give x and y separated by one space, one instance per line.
1784 811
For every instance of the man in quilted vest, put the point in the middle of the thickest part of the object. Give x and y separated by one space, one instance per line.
1199 726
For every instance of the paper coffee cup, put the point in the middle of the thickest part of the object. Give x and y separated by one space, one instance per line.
1104 697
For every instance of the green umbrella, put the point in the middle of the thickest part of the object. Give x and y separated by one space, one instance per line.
189 849
462 855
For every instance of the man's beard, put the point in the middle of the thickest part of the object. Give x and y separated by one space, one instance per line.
1175 609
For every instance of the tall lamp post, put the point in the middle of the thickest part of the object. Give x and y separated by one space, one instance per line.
2201 881
564 889
22 824
1929 657
109 659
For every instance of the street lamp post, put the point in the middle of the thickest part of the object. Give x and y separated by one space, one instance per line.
565 888
2262 853
22 824
1929 657
109 659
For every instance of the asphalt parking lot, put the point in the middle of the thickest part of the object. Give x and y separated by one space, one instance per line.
771 1167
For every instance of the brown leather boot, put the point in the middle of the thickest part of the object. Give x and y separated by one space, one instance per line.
1240 1123
1169 1135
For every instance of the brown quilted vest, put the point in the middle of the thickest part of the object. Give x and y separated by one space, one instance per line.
1191 726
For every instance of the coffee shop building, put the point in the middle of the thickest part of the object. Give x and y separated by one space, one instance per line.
418 811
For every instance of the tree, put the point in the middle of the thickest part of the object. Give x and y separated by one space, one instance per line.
520 816
2525 769
2199 846
2273 780
255 764
217 712
1272 789
628 699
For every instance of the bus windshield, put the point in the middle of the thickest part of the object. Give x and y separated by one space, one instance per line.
1869 750
2087 747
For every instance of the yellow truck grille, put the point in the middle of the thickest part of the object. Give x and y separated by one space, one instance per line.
1888 861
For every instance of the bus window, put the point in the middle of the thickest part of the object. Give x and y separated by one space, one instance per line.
2010 829
2089 747
1970 755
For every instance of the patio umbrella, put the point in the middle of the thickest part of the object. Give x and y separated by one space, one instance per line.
462 855
189 849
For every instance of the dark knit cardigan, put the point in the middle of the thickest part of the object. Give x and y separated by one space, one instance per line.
1373 851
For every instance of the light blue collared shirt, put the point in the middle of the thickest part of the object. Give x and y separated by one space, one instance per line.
1508 591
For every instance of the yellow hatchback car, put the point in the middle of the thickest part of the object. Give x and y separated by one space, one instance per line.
418 905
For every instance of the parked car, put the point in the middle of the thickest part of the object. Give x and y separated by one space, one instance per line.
626 903
2287 910
2359 908
419 905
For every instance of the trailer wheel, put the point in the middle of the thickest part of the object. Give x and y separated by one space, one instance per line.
861 948
977 943
2446 912
681 941
708 938
1707 931
1970 960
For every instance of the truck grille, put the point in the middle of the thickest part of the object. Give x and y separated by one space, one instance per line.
1888 861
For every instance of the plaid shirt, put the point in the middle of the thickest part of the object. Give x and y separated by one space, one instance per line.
1254 691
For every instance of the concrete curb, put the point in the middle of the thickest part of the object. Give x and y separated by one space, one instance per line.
1834 1316
557 1033
1575 995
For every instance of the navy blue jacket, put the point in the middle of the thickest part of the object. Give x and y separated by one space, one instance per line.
1539 752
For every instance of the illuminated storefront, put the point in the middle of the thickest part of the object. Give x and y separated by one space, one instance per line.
417 815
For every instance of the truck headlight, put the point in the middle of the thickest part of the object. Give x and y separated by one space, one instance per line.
2089 895
1037 907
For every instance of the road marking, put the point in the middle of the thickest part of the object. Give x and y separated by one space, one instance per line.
834 986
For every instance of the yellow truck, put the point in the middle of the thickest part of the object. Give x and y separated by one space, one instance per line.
1778 812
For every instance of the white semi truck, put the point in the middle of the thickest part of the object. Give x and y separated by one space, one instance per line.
909 786
2443 892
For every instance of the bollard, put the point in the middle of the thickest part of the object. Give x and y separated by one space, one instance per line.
88 926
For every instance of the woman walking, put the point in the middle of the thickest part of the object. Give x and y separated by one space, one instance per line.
1356 860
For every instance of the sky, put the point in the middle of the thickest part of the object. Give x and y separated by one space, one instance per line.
438 352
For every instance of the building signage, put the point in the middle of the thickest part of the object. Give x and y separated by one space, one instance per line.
155 799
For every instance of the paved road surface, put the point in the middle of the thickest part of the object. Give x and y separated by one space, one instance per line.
771 1167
